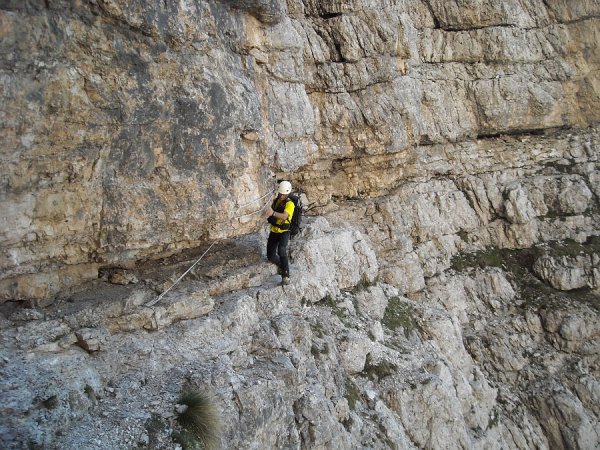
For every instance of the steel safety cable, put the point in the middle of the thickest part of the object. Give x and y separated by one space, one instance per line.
157 299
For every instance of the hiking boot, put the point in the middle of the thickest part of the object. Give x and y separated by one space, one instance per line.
285 280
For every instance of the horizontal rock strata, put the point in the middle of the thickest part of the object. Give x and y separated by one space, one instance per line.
444 289
133 131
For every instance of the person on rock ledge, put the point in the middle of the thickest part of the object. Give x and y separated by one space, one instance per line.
279 215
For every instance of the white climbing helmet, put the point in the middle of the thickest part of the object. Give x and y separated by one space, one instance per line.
285 187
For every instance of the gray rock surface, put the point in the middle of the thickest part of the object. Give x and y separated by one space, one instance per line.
444 287
134 131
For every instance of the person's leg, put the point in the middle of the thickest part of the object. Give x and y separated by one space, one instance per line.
284 239
272 243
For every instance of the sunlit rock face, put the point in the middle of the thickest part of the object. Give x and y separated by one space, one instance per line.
134 129
445 284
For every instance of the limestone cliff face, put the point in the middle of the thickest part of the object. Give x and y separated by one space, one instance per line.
134 129
446 281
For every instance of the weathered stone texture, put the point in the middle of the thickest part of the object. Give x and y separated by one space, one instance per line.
431 139
126 125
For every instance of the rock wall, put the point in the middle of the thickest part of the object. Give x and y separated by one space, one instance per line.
484 355
445 285
134 130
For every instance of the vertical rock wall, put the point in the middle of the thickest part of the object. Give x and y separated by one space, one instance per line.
132 130
123 129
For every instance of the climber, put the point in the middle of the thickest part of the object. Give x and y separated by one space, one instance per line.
279 215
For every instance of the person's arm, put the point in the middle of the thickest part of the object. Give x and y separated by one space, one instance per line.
278 215
289 210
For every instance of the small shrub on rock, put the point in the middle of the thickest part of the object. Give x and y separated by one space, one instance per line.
197 413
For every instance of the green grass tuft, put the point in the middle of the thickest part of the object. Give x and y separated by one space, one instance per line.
201 419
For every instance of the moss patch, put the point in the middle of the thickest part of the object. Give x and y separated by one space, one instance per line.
378 371
363 284
89 392
400 314
318 329
328 300
187 440
352 394
341 313
492 257
518 264
155 427
571 248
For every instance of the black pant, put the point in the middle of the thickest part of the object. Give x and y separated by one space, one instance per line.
278 242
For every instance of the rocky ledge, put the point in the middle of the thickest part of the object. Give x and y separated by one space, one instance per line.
445 285
488 348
